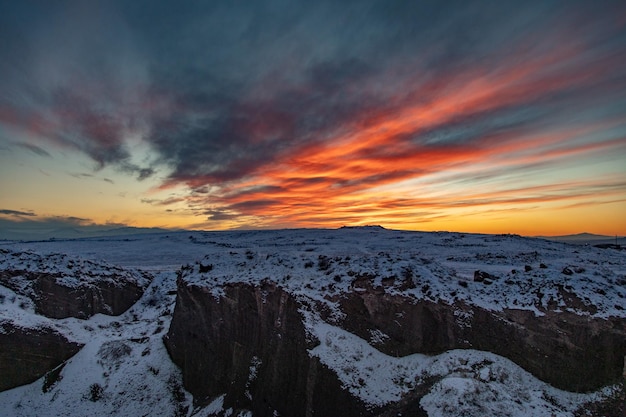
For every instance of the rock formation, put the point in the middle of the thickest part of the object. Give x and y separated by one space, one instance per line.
61 286
251 344
56 300
28 354
566 350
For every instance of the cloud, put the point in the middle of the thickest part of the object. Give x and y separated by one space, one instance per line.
34 149
219 215
83 175
165 202
289 110
17 213
80 175
68 87
46 227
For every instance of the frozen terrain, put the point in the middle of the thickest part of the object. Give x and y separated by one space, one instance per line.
124 368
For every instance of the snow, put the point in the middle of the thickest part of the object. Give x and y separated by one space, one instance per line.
69 271
126 357
470 382
441 266
123 355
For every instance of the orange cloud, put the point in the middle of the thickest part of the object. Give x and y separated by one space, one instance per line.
338 180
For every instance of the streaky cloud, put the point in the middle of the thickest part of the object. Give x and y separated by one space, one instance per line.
17 213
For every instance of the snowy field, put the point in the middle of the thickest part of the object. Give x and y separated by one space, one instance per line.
124 369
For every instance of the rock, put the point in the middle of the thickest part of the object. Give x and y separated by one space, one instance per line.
482 276
56 300
61 286
28 354
567 271
217 339
528 268
571 352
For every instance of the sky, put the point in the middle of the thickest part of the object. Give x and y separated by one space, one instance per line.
474 116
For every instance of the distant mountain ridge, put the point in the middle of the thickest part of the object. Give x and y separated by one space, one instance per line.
29 234
587 238
33 232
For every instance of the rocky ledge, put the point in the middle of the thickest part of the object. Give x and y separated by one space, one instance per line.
29 353
61 286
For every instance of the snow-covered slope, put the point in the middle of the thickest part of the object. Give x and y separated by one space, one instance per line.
124 369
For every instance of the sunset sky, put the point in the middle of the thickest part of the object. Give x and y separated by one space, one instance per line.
490 116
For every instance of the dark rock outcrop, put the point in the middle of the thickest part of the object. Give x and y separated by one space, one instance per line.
250 343
61 286
55 300
484 277
28 354
569 351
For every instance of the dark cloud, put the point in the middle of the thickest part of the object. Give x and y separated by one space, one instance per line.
166 202
222 92
144 173
16 213
34 149
42 226
200 190
219 215
62 227
80 175
253 205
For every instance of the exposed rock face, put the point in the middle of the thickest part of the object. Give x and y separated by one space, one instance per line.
62 287
55 300
569 351
250 343
27 354
304 313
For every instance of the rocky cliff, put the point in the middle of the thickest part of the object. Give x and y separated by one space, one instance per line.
61 286
251 344
568 351
270 331
28 354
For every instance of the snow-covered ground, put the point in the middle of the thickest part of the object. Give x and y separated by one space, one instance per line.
442 267
123 369
471 382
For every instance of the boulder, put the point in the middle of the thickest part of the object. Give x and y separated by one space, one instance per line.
484 277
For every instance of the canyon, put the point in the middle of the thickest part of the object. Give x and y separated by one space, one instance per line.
351 322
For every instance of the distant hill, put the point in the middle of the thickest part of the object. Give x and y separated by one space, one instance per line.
32 234
587 239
